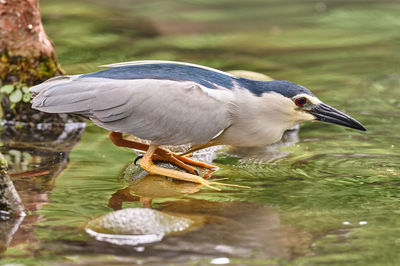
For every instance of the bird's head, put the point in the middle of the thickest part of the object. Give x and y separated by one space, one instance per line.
323 112
305 106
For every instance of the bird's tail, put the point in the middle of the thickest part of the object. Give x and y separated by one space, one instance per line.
61 95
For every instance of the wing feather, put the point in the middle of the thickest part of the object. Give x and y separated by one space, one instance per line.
160 62
164 111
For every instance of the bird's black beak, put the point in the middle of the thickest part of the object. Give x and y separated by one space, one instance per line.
326 113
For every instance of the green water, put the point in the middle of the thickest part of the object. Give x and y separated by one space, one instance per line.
330 198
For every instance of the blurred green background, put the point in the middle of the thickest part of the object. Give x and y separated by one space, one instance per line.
337 187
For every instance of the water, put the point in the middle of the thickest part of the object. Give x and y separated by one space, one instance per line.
330 195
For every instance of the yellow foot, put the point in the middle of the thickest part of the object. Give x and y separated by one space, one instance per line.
170 158
181 161
147 164
187 160
161 154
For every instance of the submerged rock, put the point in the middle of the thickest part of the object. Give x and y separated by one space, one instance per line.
10 202
153 186
133 226
11 209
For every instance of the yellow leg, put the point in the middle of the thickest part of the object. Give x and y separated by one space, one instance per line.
147 164
195 163
160 154
174 161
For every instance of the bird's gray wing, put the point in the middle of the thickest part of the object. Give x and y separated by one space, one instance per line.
164 111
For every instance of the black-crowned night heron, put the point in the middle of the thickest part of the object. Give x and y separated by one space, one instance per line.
172 103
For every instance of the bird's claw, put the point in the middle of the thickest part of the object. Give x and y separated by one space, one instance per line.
218 179
210 184
137 159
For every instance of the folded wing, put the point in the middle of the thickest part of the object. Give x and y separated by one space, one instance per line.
166 112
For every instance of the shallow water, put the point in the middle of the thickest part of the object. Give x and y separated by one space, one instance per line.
329 195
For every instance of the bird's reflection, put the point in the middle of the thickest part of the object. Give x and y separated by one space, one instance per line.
149 187
232 228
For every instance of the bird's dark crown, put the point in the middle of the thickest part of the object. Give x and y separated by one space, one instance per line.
283 87
205 77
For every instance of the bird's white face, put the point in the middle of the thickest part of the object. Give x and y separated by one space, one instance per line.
292 111
303 103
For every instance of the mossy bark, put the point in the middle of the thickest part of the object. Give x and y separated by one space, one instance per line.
27 57
26 53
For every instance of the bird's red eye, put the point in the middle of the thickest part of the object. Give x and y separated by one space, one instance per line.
301 101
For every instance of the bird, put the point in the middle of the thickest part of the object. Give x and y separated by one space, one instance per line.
174 103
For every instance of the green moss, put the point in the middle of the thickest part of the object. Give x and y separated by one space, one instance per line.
27 70
17 74
20 72
3 166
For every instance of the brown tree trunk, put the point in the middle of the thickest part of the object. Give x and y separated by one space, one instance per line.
22 32
26 58
27 54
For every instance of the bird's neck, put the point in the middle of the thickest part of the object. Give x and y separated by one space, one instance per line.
258 120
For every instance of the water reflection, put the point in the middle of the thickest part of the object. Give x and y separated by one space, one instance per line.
149 187
233 229
36 155
216 228
7 231
238 229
